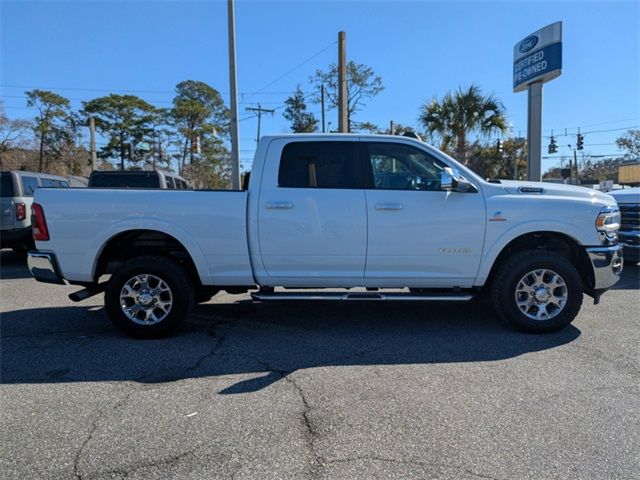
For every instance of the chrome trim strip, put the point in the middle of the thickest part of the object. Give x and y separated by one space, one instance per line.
607 263
44 267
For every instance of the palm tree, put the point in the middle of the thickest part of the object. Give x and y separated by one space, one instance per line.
460 114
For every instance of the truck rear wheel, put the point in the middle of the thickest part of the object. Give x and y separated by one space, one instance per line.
149 297
537 291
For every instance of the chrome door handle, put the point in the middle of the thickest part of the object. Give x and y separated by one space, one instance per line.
389 206
279 205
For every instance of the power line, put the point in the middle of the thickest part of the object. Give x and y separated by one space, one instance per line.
293 69
617 154
604 123
590 131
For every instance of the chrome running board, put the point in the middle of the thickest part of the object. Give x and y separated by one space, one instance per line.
355 296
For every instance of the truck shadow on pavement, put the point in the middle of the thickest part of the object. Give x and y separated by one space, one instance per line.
265 342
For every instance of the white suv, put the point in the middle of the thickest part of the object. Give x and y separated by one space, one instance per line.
16 196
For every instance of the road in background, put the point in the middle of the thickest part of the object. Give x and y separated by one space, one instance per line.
341 391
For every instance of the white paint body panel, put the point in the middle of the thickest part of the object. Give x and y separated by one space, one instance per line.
419 242
210 224
328 238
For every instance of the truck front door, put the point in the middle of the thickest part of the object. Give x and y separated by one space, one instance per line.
418 234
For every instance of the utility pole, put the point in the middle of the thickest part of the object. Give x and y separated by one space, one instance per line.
534 132
322 103
343 115
259 110
92 135
235 152
391 127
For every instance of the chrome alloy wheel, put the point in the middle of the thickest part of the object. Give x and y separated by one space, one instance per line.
541 294
146 299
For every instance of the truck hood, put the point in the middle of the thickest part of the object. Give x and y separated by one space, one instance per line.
628 195
557 190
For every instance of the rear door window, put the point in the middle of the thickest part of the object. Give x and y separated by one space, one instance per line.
6 185
319 165
29 185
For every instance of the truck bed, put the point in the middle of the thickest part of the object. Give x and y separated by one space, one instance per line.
211 225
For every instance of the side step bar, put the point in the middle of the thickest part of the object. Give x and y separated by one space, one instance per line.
376 296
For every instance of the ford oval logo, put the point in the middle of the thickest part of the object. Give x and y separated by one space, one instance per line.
528 43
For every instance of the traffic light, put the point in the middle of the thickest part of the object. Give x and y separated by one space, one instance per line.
498 146
580 142
553 146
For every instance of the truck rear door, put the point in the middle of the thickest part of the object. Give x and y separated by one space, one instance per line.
312 219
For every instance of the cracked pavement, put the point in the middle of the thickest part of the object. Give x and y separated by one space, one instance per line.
318 391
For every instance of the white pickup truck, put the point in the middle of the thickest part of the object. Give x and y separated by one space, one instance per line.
333 217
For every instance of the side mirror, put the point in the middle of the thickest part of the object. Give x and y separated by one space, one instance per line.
447 182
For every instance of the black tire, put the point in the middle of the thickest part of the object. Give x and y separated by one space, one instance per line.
508 277
180 287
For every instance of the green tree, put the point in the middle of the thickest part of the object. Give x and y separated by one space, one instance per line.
54 122
362 84
125 120
369 127
197 110
488 162
296 112
459 114
630 144
364 127
211 168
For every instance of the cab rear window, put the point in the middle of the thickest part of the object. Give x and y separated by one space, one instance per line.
6 185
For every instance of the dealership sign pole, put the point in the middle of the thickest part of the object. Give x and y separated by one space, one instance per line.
536 60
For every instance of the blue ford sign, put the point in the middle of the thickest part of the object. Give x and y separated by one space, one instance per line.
538 57
528 43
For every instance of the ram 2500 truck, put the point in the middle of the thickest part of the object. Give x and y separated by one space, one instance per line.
323 213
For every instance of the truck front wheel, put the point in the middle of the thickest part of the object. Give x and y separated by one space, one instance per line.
149 297
537 291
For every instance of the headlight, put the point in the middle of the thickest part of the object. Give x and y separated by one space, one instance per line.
608 224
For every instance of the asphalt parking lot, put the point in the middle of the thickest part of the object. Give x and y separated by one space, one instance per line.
344 391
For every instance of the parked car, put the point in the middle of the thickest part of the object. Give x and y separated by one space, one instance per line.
16 195
137 179
629 234
334 211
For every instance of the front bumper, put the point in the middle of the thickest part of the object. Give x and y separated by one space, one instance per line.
44 267
607 266
630 241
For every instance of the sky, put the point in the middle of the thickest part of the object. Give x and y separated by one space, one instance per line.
421 49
